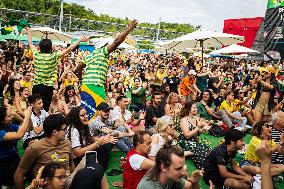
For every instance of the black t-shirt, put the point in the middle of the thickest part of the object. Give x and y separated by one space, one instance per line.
173 83
210 84
218 101
151 112
218 156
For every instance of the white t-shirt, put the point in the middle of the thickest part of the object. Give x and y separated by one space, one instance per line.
37 122
136 161
116 114
75 139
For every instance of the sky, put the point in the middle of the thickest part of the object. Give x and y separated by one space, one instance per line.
210 14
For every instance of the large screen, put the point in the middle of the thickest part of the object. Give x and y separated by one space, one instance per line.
273 30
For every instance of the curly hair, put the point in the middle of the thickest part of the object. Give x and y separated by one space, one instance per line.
171 95
73 121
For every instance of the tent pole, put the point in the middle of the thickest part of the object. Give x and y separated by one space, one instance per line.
201 44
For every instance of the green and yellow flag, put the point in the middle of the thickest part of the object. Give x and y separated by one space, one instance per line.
15 26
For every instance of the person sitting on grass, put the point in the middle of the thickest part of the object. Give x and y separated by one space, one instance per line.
136 161
166 133
215 167
170 171
262 131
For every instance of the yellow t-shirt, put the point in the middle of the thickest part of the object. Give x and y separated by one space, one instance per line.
66 82
250 152
225 105
25 84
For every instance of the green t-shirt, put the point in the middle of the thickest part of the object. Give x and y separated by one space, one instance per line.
203 112
140 97
96 67
147 183
46 68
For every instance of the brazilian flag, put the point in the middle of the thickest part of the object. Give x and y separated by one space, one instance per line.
15 26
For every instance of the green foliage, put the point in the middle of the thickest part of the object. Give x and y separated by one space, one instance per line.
168 30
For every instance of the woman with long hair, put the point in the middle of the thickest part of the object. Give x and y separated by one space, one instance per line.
21 102
72 99
173 106
9 135
56 105
190 128
266 89
206 106
79 135
12 92
262 131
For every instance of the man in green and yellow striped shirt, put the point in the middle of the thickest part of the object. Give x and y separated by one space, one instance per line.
92 90
45 64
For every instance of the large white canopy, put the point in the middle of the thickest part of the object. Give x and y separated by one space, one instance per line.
47 32
203 38
232 49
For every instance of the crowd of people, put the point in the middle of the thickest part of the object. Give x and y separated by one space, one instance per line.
61 104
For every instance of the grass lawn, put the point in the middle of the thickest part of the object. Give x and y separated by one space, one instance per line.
211 140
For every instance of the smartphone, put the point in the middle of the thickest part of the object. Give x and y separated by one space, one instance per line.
91 158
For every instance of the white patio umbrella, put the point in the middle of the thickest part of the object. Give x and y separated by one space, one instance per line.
232 49
49 33
100 42
203 38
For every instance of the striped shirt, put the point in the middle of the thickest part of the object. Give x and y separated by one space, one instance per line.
96 67
276 158
45 68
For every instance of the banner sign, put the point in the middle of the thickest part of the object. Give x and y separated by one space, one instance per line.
273 30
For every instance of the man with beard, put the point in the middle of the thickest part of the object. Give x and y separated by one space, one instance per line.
170 171
153 112
102 125
53 148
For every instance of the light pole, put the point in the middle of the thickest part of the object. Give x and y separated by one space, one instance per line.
61 15
69 19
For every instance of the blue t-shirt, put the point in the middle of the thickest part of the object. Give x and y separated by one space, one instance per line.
8 148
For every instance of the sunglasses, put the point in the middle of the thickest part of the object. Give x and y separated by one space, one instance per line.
70 92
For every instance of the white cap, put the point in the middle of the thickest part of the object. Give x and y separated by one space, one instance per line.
192 72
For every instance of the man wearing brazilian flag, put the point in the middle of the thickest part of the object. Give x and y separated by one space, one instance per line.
94 78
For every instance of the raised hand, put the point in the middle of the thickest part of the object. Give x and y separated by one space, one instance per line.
28 112
84 38
196 176
263 151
